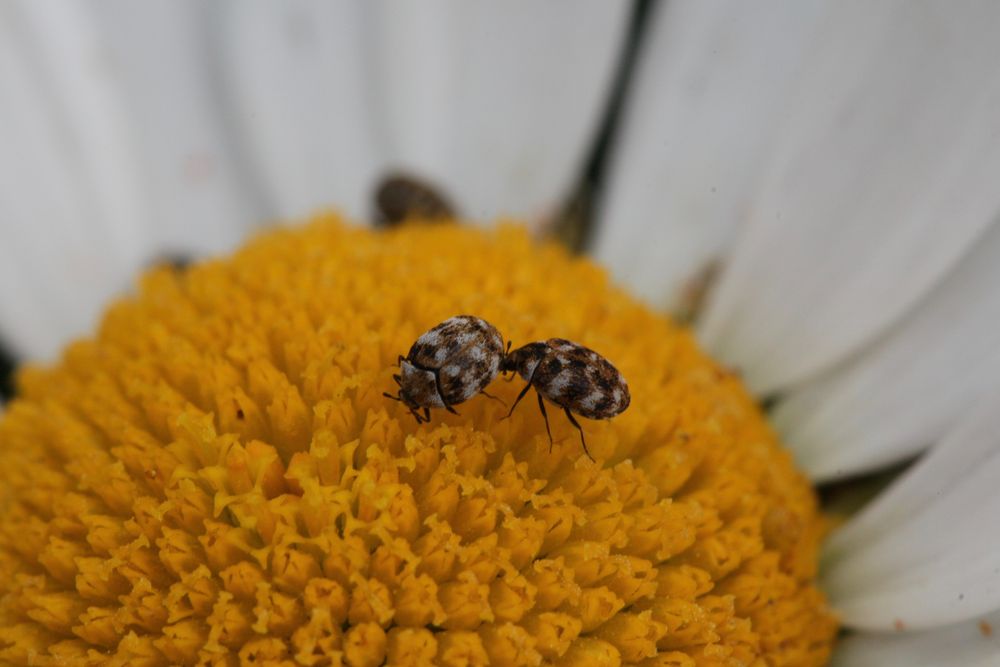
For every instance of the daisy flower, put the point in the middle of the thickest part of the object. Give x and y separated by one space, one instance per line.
212 476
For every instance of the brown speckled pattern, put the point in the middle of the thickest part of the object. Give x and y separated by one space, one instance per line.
463 353
572 376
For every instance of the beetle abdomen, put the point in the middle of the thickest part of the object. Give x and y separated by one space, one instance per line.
462 354
575 377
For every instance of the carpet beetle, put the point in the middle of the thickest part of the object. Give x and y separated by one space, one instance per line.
400 197
574 377
449 364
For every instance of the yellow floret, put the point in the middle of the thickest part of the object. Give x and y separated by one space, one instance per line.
216 478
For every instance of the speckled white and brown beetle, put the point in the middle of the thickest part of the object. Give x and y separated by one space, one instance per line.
574 377
449 364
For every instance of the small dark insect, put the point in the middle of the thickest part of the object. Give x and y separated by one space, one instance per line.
449 364
174 260
400 197
574 377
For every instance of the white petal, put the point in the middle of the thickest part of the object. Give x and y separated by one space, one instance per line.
883 176
115 152
706 103
495 102
924 554
903 393
299 99
202 195
68 192
972 643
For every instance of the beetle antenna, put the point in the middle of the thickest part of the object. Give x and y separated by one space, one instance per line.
395 398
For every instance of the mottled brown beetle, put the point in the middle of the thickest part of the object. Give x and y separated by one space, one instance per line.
449 364
400 197
574 377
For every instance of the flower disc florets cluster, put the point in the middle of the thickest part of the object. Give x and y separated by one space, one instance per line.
215 478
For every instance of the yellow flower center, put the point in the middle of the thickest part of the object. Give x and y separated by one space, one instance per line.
216 478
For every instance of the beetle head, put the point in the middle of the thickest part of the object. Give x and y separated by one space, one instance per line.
524 359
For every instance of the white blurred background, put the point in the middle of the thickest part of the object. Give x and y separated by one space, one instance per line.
169 128
804 153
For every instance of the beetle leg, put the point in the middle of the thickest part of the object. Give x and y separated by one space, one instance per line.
400 359
437 383
495 398
579 428
541 406
519 397
413 411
